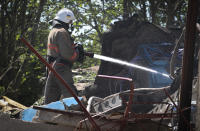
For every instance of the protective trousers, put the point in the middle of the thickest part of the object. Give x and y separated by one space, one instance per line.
54 89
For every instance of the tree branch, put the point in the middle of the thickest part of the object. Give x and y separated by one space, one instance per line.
18 74
5 72
175 52
38 15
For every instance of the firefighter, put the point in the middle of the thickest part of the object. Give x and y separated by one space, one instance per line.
61 54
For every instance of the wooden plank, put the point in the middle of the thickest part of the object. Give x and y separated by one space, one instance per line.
14 103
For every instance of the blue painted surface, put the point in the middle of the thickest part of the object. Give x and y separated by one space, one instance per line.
28 114
157 59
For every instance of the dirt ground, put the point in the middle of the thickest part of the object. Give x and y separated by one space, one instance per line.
82 75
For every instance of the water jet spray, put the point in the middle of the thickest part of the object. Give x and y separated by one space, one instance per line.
121 62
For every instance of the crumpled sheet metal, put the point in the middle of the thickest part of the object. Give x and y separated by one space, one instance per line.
99 105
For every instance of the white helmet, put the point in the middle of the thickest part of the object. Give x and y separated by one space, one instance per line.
65 15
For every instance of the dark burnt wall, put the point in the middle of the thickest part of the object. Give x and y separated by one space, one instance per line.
122 43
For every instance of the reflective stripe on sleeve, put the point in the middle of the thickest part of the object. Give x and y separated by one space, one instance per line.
73 56
53 47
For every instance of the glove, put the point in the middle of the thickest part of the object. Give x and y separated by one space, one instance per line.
80 50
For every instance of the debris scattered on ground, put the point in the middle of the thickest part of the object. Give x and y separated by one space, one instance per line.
11 107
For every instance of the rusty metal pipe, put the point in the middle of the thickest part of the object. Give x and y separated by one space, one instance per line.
63 82
179 110
130 101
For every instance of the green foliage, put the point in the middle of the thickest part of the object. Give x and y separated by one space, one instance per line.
2 89
84 76
20 69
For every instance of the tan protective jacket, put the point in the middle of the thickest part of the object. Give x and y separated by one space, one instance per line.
60 45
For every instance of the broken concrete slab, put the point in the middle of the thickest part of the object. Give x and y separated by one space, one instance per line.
9 124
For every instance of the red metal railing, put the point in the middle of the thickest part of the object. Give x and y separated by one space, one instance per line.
63 82
128 115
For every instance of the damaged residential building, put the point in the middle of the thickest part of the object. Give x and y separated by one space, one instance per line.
139 85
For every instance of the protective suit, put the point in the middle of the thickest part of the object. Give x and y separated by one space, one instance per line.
61 55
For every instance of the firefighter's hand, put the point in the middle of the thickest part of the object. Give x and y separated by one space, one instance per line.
80 50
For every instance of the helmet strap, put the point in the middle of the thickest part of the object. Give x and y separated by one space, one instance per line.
60 24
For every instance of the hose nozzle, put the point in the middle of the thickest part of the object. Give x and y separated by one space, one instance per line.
89 54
